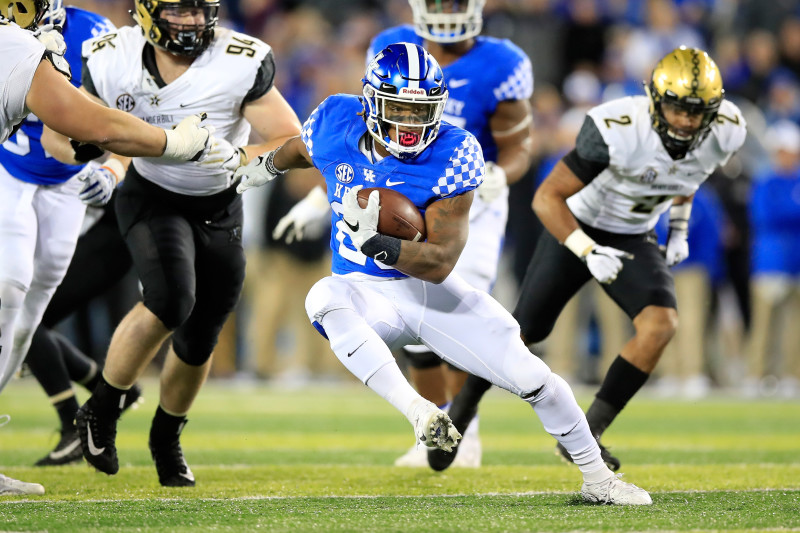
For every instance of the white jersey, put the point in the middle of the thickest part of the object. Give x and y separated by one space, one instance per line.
21 56
216 83
641 179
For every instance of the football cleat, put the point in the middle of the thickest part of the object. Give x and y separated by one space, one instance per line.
614 491
415 457
98 436
67 451
10 486
432 426
611 462
469 452
170 462
133 398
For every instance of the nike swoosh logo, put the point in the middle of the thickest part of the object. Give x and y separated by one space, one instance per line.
571 430
94 450
66 451
354 351
390 183
455 84
188 474
352 227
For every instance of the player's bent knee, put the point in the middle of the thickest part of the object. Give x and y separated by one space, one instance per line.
172 308
325 296
195 351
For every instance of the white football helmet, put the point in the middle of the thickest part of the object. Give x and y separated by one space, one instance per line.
447 21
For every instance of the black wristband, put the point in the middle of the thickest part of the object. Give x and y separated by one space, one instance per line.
85 152
382 248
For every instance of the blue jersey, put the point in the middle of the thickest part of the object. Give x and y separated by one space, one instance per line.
775 221
22 155
451 165
493 71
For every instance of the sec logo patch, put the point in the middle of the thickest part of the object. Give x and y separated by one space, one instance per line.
125 102
344 173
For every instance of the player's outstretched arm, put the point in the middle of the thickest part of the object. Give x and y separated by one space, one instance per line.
67 111
274 121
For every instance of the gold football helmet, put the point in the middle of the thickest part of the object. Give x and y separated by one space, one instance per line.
182 39
24 13
689 80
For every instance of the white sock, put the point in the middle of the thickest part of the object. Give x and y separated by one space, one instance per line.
563 419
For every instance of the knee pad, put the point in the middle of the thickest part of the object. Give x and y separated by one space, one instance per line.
421 357
194 351
172 306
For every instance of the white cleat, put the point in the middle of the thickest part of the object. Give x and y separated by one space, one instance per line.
10 486
416 457
432 426
469 452
614 491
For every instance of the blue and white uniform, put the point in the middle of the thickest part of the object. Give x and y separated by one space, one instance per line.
493 71
463 325
40 212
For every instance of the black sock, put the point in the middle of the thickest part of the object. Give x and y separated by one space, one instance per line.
622 381
166 427
107 400
66 410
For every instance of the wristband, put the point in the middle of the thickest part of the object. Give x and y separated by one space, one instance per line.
382 248
116 167
269 164
579 243
679 216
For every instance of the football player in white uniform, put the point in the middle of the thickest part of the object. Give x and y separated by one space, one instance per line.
385 293
34 79
635 158
182 223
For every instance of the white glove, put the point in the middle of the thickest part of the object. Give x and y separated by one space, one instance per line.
257 172
677 246
99 182
603 262
678 239
224 155
188 141
494 182
305 217
50 36
360 224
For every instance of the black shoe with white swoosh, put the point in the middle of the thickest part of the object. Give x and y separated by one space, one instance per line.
98 435
170 462
67 451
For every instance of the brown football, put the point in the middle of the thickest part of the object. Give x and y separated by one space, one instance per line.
398 217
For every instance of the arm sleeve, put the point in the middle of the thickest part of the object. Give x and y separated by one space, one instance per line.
265 79
590 155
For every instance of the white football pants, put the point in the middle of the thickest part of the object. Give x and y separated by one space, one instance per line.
39 227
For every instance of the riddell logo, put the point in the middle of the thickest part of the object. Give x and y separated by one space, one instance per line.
412 92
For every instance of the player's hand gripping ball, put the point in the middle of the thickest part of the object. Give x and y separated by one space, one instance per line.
398 216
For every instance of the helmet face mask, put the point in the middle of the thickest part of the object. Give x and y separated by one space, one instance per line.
25 13
56 14
685 81
163 26
404 97
447 21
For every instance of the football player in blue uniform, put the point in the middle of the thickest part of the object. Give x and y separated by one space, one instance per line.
385 293
490 82
23 156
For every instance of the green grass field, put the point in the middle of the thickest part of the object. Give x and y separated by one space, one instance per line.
321 459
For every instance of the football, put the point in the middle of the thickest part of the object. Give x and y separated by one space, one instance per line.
398 217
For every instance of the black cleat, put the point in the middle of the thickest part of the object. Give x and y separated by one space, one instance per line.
171 464
611 462
67 451
462 411
97 435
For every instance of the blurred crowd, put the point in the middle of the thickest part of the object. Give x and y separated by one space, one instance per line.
739 291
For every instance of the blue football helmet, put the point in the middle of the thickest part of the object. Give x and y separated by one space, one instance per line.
404 96
447 21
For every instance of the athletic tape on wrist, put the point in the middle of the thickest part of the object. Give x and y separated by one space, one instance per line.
679 216
382 248
579 243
